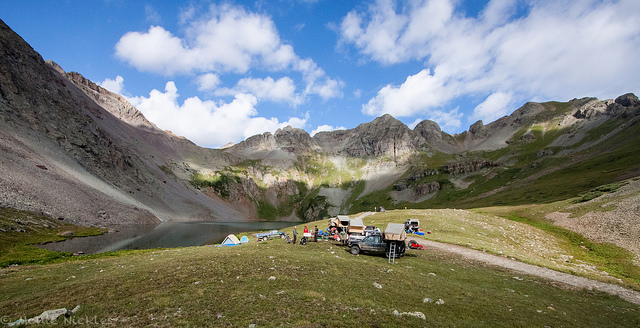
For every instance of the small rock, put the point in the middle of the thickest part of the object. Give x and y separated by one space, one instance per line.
272 278
416 314
253 325
197 282
427 300
377 285
396 313
440 301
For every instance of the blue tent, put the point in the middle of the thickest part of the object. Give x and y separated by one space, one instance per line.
244 240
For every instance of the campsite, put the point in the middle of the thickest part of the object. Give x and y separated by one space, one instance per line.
274 283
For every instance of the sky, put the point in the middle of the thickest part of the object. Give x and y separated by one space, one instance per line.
222 71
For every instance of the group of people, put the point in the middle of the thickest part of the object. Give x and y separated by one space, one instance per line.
305 234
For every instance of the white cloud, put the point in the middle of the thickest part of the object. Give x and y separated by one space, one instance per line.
326 127
495 106
157 50
208 81
543 49
115 86
281 90
418 94
227 39
208 123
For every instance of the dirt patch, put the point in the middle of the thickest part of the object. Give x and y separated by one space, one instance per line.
559 277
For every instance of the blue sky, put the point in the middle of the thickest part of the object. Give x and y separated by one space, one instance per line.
221 71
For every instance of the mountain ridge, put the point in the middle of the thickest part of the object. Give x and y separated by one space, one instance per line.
74 150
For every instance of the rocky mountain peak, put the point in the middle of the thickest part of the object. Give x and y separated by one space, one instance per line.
295 140
112 102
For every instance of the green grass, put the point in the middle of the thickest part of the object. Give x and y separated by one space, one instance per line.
22 230
218 182
599 191
316 285
322 284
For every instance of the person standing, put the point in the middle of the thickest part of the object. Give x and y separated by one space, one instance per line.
295 234
315 235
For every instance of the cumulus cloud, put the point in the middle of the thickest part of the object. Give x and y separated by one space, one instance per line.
116 85
227 39
281 90
495 106
219 44
543 49
325 128
418 93
208 81
206 122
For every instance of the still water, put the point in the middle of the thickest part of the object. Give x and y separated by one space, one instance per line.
164 235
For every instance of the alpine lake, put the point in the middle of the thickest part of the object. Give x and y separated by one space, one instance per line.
163 235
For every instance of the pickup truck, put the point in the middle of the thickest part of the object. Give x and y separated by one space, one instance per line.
270 234
377 244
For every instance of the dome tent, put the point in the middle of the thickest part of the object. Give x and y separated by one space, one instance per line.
231 240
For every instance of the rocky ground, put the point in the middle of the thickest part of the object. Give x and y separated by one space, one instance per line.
566 280
612 218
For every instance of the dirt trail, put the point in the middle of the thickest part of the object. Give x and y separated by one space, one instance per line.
564 278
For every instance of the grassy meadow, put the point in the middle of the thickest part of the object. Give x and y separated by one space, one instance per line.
317 285
321 284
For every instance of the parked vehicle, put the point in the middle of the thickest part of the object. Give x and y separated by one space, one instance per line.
391 242
271 234
354 237
412 225
358 236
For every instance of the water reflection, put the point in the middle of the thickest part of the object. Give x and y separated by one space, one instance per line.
165 235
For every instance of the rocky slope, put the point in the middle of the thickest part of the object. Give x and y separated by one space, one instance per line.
77 151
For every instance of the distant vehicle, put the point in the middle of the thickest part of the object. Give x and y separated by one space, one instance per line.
271 234
370 230
412 225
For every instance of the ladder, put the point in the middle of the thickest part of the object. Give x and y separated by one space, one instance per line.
392 252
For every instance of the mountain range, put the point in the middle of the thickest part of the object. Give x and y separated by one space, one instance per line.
73 150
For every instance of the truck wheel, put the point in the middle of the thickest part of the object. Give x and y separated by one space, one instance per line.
355 250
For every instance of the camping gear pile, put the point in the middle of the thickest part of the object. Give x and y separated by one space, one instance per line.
414 245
